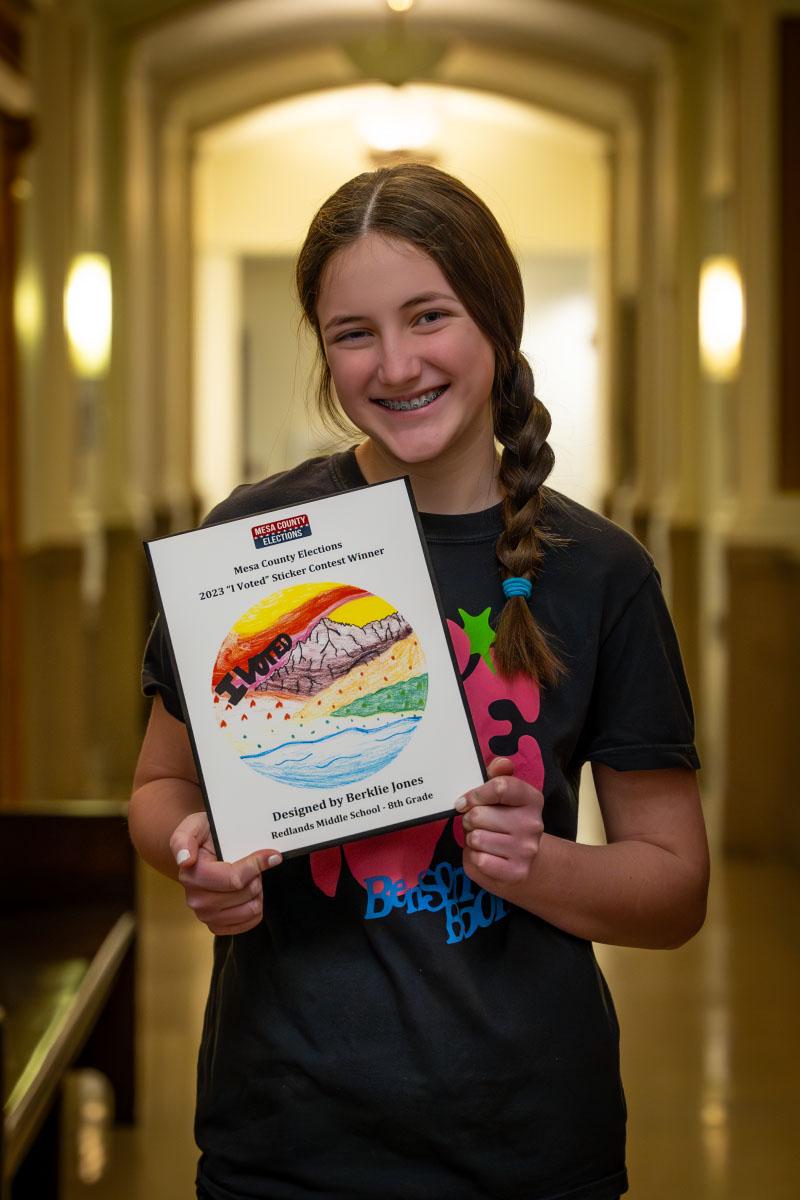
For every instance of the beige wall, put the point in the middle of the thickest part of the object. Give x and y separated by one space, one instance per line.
259 178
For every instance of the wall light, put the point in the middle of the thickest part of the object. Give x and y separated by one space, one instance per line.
87 315
397 121
721 317
28 317
400 6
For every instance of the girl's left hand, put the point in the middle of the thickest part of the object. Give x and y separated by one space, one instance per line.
503 826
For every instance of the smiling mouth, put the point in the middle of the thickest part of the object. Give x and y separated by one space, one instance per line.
417 402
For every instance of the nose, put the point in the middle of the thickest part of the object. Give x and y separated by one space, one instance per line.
398 364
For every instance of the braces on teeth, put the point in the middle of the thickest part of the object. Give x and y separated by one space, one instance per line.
407 405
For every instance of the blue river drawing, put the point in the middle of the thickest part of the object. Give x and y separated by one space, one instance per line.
347 756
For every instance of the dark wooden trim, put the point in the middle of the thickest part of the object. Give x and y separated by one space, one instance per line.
684 544
82 844
39 1174
760 811
625 399
789 255
12 16
640 523
16 135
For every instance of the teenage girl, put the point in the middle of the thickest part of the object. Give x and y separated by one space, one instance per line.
419 1015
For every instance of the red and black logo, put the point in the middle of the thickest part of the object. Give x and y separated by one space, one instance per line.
287 529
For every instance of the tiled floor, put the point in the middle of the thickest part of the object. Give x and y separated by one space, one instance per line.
155 1160
711 1049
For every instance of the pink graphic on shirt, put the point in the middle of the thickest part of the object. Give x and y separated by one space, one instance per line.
400 854
502 711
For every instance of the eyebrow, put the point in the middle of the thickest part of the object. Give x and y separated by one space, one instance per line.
422 298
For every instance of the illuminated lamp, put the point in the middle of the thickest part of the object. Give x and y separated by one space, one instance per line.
87 315
398 124
721 318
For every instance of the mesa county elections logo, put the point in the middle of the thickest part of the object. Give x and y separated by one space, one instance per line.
319 685
285 529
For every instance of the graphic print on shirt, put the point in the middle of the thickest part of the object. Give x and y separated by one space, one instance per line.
396 869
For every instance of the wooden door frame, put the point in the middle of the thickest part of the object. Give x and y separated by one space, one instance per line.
15 138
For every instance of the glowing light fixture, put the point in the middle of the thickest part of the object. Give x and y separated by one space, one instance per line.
396 120
27 308
87 315
400 6
721 317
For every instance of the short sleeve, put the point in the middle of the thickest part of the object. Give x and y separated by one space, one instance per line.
158 676
640 713
311 480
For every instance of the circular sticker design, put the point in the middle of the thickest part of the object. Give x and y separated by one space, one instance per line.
319 685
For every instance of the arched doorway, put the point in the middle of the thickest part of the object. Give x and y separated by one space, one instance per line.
620 88
257 180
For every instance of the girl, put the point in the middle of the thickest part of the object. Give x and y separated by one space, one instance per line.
419 1015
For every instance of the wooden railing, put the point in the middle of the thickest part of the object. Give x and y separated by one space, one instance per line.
67 975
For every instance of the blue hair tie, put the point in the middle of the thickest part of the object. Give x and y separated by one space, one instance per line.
517 586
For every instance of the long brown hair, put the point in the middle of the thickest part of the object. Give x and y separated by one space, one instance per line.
441 216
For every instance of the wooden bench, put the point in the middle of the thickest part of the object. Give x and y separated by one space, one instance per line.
67 947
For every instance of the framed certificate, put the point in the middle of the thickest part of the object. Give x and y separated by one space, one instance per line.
316 676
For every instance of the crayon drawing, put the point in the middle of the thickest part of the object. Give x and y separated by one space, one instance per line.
319 685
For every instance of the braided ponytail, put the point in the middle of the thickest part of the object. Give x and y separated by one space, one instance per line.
521 425
419 204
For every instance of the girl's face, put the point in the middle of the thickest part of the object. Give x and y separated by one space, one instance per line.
410 366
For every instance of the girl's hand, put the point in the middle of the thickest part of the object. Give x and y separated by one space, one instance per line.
503 826
227 897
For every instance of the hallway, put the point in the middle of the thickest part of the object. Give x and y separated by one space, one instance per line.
643 157
709 1037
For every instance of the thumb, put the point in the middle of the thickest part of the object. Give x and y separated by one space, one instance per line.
500 766
253 865
185 841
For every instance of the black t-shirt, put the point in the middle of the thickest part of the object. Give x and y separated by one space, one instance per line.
390 1030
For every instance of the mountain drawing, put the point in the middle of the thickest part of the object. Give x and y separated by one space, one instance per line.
332 650
273 616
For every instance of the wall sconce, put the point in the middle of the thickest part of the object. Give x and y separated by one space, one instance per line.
400 6
87 315
721 318
28 319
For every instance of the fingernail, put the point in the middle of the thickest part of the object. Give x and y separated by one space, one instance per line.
461 804
274 860
181 857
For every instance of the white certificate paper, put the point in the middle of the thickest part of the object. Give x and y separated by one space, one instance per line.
317 680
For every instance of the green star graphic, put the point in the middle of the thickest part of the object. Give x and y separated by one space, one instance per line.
480 634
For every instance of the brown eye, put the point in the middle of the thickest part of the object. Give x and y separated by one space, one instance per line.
351 335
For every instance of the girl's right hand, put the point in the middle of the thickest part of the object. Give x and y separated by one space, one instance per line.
227 897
